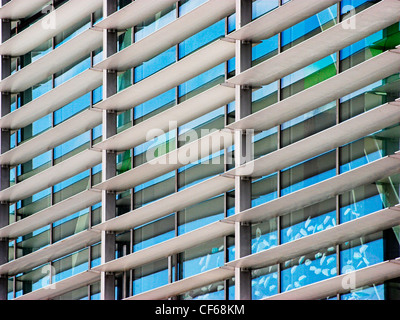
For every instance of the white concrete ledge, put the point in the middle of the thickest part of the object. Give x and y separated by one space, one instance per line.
19 9
368 21
64 17
375 274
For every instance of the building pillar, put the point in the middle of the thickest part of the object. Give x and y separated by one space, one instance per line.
242 184
5 108
108 158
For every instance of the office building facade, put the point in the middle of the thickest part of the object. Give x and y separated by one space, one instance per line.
200 149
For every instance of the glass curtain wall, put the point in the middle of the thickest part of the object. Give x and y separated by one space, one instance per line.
77 262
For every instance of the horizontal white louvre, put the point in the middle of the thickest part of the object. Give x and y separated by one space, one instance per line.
323 190
168 36
49 26
368 21
333 137
371 223
53 137
51 214
368 276
351 80
376 221
61 57
172 203
272 23
49 177
19 9
205 15
175 159
200 61
168 247
182 113
50 253
59 288
185 285
134 13
54 99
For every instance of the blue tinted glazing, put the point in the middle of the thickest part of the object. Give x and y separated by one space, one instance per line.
200 80
71 272
361 256
362 44
188 5
371 293
155 181
71 217
71 145
261 7
265 197
154 240
264 241
74 34
154 104
308 227
348 5
72 109
232 23
307 271
197 265
151 281
160 21
212 205
73 71
155 64
70 181
266 47
315 22
265 284
202 38
308 71
318 177
361 208
215 295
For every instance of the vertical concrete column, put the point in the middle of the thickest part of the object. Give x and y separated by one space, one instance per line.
242 184
5 108
108 157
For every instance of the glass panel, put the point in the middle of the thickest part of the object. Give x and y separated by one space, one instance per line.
150 276
375 292
33 204
204 37
201 214
264 235
32 280
202 258
309 27
202 82
264 190
156 22
186 6
154 190
70 265
369 198
362 252
213 291
261 7
304 270
370 46
308 173
71 225
264 282
154 233
308 221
